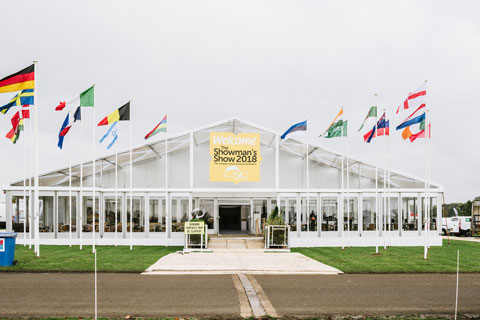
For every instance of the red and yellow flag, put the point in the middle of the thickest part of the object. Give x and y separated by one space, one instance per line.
23 79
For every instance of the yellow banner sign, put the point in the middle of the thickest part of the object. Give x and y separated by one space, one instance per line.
235 158
195 227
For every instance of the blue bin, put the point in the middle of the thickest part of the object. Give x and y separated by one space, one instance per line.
7 248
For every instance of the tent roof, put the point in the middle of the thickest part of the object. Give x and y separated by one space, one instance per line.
180 142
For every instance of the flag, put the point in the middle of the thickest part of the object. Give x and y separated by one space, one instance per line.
331 124
112 131
17 126
23 98
407 133
372 113
77 115
415 98
121 114
23 79
298 127
61 133
161 127
84 99
381 128
409 122
26 111
337 129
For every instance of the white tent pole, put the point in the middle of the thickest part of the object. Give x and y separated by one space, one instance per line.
116 190
81 181
70 186
131 188
37 196
94 174
376 180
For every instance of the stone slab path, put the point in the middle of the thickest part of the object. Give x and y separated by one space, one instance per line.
239 262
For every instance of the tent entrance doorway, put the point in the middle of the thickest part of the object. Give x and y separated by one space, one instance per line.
233 219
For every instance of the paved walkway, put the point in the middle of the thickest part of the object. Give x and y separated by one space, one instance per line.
471 239
236 262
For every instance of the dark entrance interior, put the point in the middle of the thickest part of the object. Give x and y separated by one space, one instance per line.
230 219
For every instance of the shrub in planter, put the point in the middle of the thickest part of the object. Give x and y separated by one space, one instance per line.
275 219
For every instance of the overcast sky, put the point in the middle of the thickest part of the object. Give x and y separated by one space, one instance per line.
273 63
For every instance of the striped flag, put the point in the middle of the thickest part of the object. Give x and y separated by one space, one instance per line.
415 98
161 127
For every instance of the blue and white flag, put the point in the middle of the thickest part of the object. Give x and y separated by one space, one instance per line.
300 127
112 131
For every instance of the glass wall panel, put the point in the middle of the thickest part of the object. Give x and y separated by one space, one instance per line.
369 214
46 214
292 214
138 217
433 213
19 214
393 214
312 213
350 215
329 214
409 213
157 215
88 214
112 219
64 213
180 214
207 206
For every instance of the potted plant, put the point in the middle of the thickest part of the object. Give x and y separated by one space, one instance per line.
278 235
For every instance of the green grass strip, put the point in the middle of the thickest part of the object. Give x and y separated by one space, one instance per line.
400 259
66 259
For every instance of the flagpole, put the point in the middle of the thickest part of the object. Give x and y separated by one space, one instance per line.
425 250
30 200
384 211
428 185
376 179
131 188
342 195
389 209
166 188
36 182
24 185
116 197
94 175
81 180
70 186
348 191
308 193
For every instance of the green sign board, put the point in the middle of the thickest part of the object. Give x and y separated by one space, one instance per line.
194 227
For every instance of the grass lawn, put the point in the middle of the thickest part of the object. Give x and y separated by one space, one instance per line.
66 259
400 259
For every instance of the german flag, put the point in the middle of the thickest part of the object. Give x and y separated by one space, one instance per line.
121 114
24 79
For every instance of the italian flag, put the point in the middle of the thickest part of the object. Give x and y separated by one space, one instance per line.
84 99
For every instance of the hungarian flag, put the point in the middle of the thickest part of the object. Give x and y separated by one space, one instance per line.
23 79
161 127
121 114
372 113
26 97
84 99
415 98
